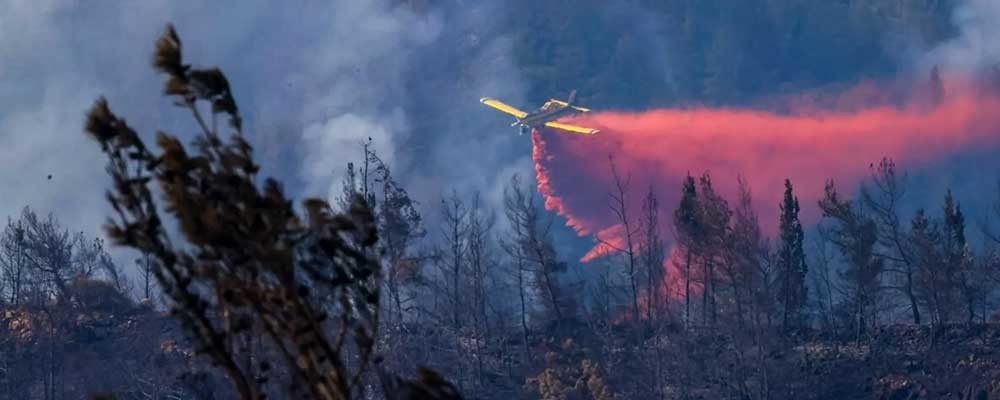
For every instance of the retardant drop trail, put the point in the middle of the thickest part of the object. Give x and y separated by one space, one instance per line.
659 148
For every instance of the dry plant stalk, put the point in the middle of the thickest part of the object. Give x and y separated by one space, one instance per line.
248 265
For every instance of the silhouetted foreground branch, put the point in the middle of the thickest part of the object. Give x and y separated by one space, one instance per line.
248 267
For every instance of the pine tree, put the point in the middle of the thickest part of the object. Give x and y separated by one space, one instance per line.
855 236
954 221
687 226
530 245
651 253
746 270
791 259
957 255
934 286
883 197
714 217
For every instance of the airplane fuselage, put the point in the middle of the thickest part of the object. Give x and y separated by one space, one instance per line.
542 116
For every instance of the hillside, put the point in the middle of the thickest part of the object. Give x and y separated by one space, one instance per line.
643 54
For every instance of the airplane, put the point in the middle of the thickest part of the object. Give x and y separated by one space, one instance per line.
546 115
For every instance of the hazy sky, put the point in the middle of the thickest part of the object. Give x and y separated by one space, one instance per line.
312 78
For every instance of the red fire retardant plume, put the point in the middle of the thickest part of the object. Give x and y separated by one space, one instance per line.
658 148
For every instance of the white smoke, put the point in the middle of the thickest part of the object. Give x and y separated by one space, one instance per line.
339 138
976 47
313 80
53 68
362 58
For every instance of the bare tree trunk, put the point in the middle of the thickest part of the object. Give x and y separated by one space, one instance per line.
619 205
524 307
705 290
912 298
51 358
738 299
712 297
479 253
18 279
549 284
687 290
455 274
652 255
890 189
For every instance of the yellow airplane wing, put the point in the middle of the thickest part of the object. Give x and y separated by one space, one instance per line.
571 128
564 104
499 105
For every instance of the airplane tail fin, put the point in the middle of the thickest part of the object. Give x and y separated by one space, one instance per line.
572 97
